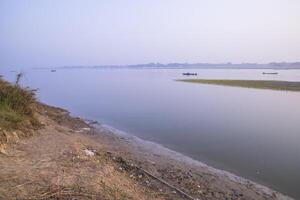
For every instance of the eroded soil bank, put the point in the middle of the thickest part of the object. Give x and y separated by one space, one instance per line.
68 158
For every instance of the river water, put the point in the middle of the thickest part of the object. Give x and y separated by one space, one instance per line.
253 133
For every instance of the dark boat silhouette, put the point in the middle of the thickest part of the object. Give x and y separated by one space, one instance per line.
189 74
270 73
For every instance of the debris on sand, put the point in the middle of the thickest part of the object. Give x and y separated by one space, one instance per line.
89 152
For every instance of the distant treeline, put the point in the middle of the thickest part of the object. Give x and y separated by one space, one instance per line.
272 65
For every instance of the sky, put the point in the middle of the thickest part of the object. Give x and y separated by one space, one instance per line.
100 32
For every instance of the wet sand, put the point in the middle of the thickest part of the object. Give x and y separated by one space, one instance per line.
195 178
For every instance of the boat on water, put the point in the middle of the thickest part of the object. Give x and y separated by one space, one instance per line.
274 73
53 70
189 74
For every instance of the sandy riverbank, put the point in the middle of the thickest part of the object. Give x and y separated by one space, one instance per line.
256 84
68 157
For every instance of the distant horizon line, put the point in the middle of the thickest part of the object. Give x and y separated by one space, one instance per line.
281 65
295 64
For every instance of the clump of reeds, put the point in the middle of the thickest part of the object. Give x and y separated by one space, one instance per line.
16 104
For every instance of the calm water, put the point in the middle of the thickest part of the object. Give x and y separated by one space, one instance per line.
252 133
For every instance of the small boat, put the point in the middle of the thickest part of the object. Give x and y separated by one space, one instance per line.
53 70
189 74
270 73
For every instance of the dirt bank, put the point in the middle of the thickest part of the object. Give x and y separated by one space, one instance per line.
68 158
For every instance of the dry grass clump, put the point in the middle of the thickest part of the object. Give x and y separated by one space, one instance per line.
16 106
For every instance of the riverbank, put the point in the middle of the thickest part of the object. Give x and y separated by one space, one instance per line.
67 157
258 84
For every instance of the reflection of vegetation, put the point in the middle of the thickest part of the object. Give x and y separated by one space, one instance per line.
259 84
16 105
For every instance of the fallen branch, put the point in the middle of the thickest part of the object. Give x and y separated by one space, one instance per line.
166 183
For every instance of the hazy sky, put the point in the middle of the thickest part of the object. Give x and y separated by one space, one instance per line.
55 33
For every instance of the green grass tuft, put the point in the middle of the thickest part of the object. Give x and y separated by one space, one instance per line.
16 105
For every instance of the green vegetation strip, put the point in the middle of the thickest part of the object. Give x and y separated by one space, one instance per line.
258 84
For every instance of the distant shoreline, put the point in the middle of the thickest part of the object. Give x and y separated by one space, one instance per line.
256 84
271 65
